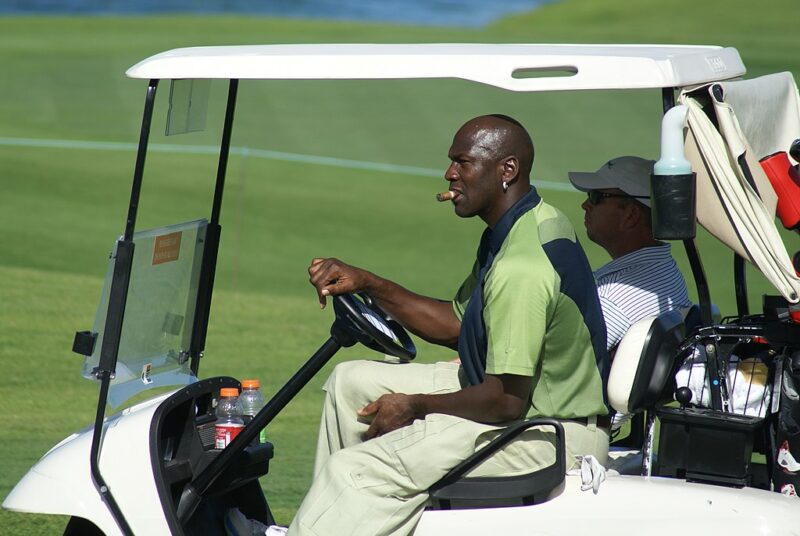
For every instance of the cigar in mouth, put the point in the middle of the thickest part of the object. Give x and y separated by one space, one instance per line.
445 196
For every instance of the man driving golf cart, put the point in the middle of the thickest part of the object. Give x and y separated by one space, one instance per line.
530 335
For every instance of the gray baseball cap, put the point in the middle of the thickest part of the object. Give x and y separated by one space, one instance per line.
630 174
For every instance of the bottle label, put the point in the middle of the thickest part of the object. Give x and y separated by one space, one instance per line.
225 433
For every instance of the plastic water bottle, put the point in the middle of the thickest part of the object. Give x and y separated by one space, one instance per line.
229 417
252 400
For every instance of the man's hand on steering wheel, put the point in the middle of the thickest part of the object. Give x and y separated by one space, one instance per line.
428 318
332 277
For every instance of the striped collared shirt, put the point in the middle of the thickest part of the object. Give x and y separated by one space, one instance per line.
643 283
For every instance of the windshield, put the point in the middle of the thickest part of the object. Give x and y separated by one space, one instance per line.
159 312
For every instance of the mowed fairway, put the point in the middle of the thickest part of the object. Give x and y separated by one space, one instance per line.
63 197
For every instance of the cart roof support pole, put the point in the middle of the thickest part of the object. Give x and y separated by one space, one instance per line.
117 299
209 266
224 150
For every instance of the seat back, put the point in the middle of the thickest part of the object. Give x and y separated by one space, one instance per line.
643 365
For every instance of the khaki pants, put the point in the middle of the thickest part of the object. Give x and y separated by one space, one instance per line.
379 487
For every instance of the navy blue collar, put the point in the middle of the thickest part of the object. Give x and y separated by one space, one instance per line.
472 343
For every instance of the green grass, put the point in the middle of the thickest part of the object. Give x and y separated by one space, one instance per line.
60 210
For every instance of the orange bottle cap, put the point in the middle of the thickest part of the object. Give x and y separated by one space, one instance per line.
229 391
250 384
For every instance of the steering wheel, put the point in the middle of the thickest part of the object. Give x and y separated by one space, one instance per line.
359 318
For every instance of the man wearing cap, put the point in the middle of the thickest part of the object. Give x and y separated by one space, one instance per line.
642 278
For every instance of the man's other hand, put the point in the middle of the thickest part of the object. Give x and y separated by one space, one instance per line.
390 412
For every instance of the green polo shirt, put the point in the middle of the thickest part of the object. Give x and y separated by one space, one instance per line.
532 327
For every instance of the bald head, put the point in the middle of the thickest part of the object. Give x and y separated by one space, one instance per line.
490 165
499 136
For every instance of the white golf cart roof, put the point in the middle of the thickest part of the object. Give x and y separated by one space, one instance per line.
529 68
516 67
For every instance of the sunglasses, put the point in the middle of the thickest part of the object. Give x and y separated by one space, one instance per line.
596 196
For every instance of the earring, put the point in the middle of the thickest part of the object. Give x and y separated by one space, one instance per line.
505 186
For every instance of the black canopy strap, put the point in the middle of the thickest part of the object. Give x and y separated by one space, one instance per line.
472 342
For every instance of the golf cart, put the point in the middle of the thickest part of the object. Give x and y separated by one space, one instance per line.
153 468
